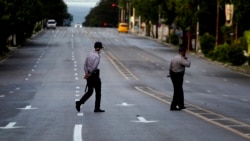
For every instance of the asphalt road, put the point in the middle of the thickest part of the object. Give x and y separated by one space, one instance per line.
40 82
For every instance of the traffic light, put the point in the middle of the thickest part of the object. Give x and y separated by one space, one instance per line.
105 24
113 5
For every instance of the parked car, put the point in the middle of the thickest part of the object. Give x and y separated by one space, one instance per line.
51 24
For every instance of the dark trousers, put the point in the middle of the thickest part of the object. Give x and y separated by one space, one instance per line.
178 97
93 83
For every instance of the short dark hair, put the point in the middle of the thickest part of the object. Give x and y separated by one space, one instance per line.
182 49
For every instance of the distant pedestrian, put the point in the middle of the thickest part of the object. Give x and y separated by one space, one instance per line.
176 72
93 80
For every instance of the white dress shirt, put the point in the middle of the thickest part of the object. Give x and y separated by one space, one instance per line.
178 64
92 62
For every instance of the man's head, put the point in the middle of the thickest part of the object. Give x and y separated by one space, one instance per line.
182 50
98 46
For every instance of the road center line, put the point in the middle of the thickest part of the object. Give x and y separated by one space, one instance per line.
78 132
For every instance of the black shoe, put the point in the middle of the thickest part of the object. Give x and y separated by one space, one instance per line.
175 109
182 107
98 110
78 106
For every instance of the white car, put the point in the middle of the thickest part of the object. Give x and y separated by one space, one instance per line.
51 24
78 25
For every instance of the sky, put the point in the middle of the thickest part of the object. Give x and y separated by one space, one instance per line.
79 9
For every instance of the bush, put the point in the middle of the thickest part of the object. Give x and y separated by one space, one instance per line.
174 39
248 60
236 55
207 43
37 27
221 53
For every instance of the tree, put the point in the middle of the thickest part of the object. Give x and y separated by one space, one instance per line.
149 11
20 16
102 13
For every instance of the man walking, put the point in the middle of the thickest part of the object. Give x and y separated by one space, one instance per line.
93 80
177 71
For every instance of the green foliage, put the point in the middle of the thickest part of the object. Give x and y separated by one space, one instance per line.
221 53
37 27
103 12
248 60
230 54
20 16
236 55
174 39
207 43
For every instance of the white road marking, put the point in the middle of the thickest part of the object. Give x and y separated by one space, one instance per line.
208 91
125 104
11 125
29 107
187 81
11 92
143 120
243 99
1 96
78 132
80 114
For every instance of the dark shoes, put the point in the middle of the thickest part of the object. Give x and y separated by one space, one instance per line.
78 106
177 109
182 108
99 110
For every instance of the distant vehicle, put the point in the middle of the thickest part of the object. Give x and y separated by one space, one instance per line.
78 25
51 24
123 27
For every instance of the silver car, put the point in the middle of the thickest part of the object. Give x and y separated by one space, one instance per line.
51 24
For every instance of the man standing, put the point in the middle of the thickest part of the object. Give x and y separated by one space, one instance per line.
177 71
93 80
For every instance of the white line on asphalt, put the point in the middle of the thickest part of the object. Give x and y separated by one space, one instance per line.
78 132
243 99
11 125
80 114
29 107
1 96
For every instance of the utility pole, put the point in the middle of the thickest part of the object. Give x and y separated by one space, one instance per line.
217 23
197 43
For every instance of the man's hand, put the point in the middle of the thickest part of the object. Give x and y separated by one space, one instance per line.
86 76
